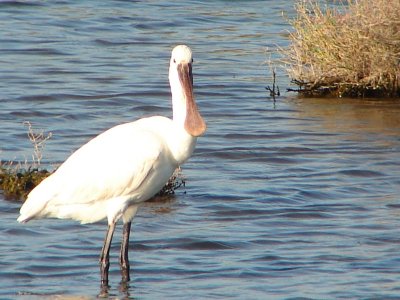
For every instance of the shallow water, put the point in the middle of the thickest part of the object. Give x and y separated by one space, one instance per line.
297 198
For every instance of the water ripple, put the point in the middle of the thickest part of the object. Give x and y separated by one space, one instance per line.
293 199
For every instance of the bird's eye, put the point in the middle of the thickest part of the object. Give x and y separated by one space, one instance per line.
174 61
192 60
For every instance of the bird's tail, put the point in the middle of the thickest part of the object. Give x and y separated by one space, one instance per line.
35 204
30 210
23 219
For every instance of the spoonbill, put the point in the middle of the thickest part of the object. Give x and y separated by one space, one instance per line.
113 173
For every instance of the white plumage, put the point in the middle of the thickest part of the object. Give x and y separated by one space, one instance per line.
128 164
123 166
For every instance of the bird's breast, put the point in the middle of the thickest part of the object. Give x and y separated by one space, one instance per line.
172 134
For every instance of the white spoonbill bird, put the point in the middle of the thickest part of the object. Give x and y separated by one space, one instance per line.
122 167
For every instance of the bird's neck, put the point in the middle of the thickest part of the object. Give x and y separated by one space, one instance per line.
185 113
178 107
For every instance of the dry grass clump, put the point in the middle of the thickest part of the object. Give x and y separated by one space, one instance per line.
352 49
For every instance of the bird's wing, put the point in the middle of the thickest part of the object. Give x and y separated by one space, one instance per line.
114 164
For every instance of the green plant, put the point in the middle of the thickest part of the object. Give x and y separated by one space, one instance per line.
17 182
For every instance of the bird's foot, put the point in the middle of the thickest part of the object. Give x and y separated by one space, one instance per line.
125 273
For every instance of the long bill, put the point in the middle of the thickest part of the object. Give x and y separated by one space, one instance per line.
194 123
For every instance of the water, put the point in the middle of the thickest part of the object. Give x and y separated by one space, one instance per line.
297 198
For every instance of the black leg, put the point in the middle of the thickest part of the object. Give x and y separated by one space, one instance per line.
123 257
105 255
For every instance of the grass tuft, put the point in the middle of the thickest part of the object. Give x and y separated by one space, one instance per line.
351 49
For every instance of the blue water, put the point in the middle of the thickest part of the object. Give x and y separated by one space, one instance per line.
297 198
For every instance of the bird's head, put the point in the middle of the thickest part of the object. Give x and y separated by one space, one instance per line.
181 81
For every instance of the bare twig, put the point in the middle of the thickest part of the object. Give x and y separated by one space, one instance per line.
274 91
38 140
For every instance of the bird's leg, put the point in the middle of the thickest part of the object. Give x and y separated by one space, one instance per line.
123 257
105 255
